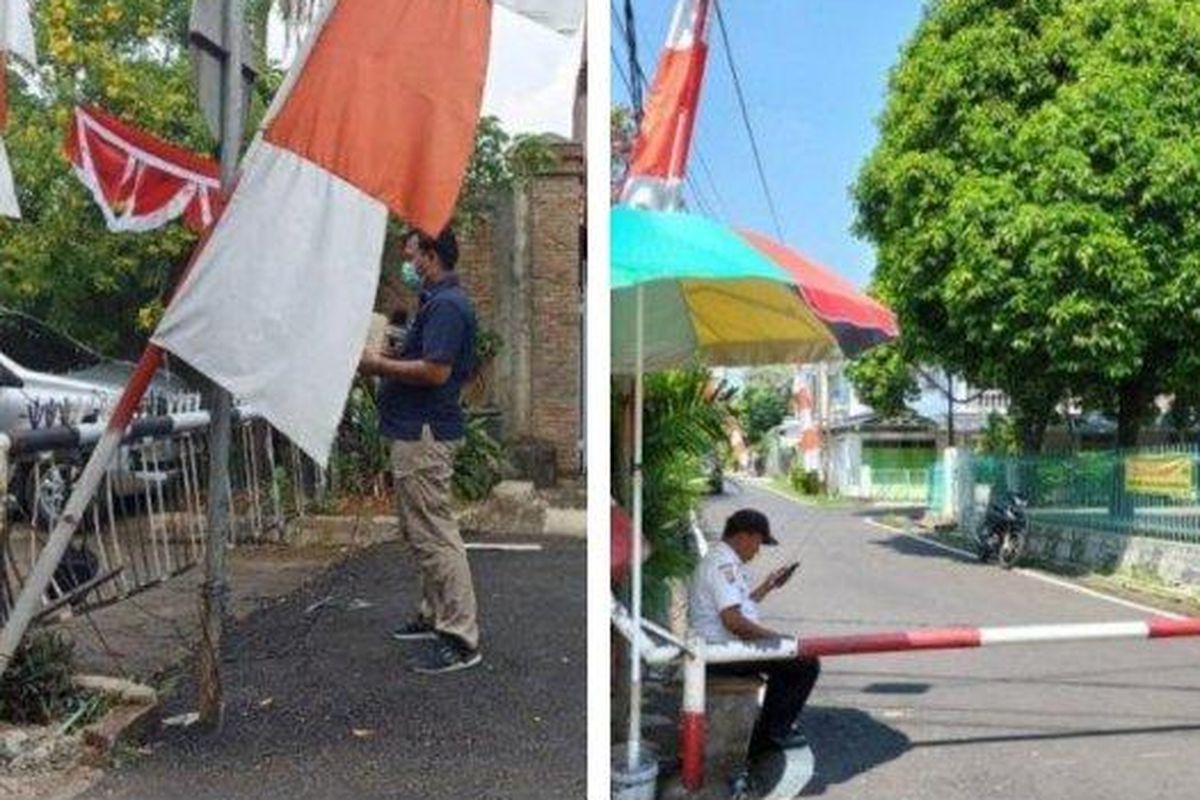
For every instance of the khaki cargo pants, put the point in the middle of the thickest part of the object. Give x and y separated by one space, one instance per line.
422 471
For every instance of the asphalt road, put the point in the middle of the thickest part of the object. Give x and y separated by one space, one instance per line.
1089 721
320 704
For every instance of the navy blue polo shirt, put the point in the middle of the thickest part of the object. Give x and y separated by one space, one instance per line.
443 333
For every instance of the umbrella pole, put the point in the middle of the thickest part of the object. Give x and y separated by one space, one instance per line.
635 654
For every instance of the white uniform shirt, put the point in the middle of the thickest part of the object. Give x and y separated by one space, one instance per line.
719 583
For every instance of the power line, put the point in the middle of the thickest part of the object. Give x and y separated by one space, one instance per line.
635 69
737 85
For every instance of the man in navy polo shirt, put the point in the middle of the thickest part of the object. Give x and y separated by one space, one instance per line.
419 410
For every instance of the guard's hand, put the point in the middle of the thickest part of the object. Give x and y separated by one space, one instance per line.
782 575
370 363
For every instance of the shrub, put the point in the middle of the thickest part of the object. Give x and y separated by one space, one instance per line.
37 687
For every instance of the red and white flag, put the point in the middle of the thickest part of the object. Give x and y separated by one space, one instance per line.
810 435
660 152
563 16
139 181
377 115
16 38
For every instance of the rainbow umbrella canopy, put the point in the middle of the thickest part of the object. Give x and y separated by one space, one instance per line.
685 288
705 293
857 321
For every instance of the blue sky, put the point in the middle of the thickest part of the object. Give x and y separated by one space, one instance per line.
815 76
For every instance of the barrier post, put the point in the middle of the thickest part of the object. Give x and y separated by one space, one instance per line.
692 722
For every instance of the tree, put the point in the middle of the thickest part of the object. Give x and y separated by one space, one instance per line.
60 263
763 403
1035 195
883 379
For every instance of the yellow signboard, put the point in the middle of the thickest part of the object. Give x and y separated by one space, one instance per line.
1171 476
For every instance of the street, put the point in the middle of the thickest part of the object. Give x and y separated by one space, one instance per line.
321 706
1065 721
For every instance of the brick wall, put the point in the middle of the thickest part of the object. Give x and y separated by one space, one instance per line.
556 211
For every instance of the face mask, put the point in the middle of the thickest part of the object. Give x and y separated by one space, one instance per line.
409 275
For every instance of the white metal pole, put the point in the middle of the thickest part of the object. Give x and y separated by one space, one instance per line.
635 655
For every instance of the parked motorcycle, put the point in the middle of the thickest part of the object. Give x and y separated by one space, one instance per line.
1002 534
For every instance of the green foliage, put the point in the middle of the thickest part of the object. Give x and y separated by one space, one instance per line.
999 437
1035 197
883 379
500 162
478 462
60 263
36 688
488 344
805 481
762 404
361 455
685 418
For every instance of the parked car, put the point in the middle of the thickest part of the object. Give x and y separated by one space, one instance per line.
48 380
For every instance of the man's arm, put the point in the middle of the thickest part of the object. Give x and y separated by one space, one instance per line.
737 624
412 372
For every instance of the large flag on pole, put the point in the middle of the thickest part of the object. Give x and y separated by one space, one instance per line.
16 37
377 115
140 181
660 152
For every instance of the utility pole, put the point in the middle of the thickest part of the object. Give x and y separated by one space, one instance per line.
215 590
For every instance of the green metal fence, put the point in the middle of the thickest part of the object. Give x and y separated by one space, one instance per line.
1151 492
900 485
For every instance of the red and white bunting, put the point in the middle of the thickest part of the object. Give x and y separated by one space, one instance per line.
139 181
660 152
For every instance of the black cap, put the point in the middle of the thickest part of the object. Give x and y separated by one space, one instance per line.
751 521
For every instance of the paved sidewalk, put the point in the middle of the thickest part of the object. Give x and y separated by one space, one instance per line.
321 705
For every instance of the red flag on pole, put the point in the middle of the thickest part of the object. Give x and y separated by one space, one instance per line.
660 152
140 181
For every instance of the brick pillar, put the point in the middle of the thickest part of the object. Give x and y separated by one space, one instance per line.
556 207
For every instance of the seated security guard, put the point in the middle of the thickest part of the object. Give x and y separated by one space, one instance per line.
722 608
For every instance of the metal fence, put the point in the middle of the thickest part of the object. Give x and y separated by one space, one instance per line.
1152 492
147 523
899 485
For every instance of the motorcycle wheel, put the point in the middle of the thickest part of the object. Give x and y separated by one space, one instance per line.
1011 549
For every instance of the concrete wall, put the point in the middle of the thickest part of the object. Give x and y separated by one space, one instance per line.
1175 564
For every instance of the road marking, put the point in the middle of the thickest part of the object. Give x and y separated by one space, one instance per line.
504 548
1038 576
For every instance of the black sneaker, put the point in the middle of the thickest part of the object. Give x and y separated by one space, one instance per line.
448 655
416 629
791 739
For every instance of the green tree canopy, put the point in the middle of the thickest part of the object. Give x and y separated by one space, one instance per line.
884 380
1035 194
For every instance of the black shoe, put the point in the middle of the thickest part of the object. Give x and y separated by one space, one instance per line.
791 739
449 655
416 629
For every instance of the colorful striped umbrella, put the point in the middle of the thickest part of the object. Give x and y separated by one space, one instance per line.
857 321
686 288
706 294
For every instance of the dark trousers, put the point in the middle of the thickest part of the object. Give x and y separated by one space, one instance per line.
789 683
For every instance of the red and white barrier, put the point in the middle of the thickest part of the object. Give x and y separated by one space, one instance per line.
697 654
